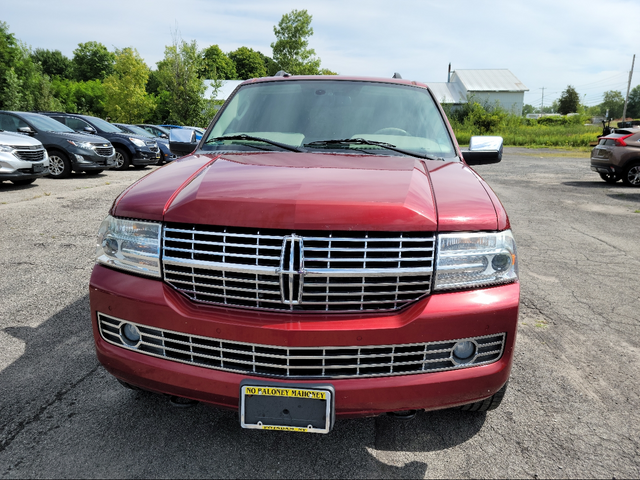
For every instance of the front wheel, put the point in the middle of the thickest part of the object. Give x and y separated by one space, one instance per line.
59 165
490 403
631 175
609 177
122 159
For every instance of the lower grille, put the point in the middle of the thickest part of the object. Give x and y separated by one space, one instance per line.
300 363
30 155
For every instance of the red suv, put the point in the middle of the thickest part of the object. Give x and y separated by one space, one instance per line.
324 252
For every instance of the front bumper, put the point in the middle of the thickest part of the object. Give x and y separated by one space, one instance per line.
16 169
439 317
145 157
84 160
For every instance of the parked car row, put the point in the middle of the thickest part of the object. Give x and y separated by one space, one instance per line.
35 144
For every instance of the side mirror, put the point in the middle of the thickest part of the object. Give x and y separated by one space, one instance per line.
164 135
483 151
89 129
26 131
182 141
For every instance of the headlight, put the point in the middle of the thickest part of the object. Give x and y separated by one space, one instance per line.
129 245
7 148
83 145
137 142
467 260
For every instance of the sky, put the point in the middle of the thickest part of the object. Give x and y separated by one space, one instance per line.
547 44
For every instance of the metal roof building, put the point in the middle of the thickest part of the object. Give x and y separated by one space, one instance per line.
485 86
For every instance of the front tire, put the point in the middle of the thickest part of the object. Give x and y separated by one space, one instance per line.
488 404
59 165
609 177
122 159
631 175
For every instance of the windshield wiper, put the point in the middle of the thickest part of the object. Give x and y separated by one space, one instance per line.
362 141
244 136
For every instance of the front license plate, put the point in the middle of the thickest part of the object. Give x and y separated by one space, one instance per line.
158 155
38 167
291 408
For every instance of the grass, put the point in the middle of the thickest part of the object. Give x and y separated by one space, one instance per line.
536 136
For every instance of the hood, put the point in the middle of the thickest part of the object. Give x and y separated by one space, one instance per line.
312 191
80 137
17 139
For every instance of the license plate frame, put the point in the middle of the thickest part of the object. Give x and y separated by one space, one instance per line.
287 407
37 168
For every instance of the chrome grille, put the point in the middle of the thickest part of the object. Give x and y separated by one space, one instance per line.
153 146
103 151
316 271
302 362
30 155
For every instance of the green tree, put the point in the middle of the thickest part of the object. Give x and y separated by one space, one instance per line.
270 65
613 101
127 99
290 49
526 109
633 106
217 65
326 71
10 85
180 93
92 61
569 101
53 63
248 63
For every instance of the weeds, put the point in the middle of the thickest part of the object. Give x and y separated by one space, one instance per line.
474 118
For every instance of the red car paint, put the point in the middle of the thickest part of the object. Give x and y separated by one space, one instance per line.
312 191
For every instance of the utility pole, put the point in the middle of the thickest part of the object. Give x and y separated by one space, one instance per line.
542 107
626 100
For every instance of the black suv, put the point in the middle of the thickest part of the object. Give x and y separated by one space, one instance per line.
130 149
68 150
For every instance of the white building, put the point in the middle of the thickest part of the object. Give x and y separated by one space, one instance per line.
485 86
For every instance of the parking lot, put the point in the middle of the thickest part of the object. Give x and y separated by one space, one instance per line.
572 408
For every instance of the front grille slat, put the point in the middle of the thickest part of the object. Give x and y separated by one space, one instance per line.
311 271
30 155
325 362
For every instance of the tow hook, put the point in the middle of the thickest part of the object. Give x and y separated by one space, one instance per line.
181 402
403 414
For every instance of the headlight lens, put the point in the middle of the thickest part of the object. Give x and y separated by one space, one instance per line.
83 145
129 245
6 148
467 260
137 142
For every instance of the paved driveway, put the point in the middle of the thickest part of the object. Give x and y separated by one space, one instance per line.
572 408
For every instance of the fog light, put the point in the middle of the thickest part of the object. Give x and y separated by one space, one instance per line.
130 334
464 352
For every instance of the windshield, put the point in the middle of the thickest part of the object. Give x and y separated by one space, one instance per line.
104 126
46 124
300 112
138 131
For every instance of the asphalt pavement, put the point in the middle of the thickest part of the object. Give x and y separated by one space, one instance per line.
572 408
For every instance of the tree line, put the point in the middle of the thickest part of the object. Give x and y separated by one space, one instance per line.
612 102
120 86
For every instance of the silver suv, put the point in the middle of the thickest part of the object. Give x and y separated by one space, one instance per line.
22 158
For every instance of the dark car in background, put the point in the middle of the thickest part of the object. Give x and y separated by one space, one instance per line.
617 157
155 130
130 149
163 143
68 150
